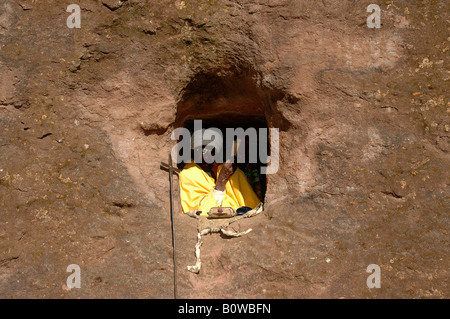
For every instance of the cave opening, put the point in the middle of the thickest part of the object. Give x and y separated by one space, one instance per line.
235 99
232 100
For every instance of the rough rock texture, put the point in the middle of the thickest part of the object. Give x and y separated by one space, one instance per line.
86 116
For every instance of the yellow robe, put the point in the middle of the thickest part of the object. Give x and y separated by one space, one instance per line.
196 190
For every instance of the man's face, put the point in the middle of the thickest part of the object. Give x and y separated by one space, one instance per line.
207 157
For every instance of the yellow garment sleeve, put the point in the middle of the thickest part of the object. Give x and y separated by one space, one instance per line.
196 189
239 192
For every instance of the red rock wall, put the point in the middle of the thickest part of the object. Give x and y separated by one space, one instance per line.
86 116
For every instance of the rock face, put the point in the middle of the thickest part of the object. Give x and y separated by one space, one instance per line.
87 113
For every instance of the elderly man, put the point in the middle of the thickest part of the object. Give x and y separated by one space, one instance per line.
210 184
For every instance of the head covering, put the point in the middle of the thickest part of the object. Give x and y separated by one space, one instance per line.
211 136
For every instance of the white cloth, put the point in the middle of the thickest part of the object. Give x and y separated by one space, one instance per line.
218 195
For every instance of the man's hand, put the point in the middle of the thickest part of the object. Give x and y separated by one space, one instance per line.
225 173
